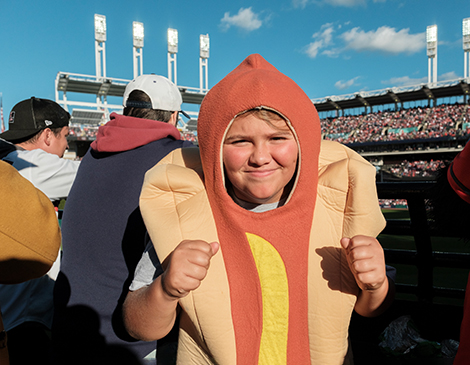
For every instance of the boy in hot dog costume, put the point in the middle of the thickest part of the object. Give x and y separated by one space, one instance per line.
285 221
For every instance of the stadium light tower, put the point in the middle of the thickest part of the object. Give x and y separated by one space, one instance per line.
431 41
466 46
172 51
100 39
138 36
203 62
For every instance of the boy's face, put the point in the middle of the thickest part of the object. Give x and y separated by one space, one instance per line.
259 159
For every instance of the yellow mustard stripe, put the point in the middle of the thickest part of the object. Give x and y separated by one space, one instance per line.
275 294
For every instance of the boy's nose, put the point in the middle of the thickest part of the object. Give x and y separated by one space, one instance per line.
261 155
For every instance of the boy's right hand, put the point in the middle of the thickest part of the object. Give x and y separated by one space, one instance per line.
187 267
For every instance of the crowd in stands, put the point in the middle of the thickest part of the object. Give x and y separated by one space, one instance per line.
406 124
393 203
410 169
83 131
189 136
423 169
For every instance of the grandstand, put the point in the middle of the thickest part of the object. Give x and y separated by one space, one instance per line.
418 124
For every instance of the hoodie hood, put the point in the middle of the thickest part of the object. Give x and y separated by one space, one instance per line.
278 240
123 133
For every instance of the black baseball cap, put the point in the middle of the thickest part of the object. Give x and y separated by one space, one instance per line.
30 116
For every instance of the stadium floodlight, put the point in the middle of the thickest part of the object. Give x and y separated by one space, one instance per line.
204 46
466 34
172 40
466 46
138 49
431 39
172 51
203 62
100 49
100 28
431 33
138 34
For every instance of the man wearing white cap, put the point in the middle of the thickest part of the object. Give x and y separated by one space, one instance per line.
103 232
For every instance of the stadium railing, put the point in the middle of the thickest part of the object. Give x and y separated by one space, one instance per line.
421 229
434 320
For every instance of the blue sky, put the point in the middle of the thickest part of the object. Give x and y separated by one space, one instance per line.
329 47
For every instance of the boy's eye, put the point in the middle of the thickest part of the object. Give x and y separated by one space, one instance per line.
238 141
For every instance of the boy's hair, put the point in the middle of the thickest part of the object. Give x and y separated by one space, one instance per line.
152 114
265 115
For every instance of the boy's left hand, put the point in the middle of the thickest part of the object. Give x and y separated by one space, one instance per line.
366 260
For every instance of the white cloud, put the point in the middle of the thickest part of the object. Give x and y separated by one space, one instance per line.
408 81
332 53
384 39
405 81
341 85
299 3
322 39
246 19
312 49
448 76
348 3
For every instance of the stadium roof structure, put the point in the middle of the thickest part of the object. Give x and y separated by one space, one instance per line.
102 87
395 95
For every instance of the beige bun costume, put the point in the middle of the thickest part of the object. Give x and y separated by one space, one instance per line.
280 290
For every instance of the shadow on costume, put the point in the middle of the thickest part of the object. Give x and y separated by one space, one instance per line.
330 264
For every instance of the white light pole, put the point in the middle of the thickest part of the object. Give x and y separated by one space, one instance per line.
203 62
431 41
466 46
172 51
138 36
100 39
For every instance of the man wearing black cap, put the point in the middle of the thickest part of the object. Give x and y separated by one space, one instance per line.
38 128
34 144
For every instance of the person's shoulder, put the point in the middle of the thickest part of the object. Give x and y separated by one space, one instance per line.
42 158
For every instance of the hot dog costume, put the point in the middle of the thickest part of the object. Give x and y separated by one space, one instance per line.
279 291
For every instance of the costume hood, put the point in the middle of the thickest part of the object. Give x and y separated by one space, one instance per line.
123 133
256 83
284 232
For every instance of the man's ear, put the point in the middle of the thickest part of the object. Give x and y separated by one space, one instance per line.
173 119
46 136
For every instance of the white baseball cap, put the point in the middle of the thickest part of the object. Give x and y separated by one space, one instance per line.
163 94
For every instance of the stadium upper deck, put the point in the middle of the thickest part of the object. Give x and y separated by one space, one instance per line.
396 95
86 122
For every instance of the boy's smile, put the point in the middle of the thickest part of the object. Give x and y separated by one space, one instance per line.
259 159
